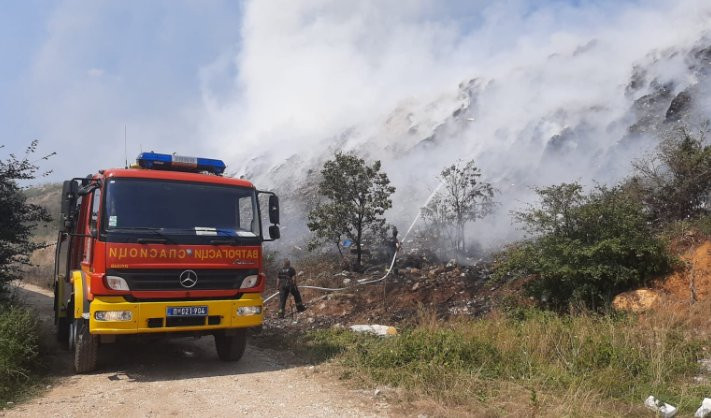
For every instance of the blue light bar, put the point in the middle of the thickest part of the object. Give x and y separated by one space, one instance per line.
156 161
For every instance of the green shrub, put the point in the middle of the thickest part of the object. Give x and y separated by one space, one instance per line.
18 349
586 248
18 218
675 181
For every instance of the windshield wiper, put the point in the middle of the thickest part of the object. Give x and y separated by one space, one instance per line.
223 241
209 231
156 231
151 240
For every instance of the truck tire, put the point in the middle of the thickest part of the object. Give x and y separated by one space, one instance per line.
86 347
231 347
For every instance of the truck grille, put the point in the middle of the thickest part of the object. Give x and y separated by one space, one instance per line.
149 279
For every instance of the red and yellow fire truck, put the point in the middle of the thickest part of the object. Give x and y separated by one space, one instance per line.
167 246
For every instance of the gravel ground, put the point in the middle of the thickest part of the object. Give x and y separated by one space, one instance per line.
183 377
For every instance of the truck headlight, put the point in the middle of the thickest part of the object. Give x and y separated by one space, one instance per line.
249 310
113 315
249 281
116 283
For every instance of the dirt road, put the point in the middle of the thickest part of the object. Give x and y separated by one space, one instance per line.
183 377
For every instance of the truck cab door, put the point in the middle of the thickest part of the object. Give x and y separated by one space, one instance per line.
91 226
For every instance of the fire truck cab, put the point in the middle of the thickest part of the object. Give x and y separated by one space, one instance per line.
168 246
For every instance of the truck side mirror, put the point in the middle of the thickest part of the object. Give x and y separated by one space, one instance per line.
70 191
92 229
274 232
273 210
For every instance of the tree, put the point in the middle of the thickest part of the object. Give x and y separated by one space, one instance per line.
438 232
356 197
585 248
328 222
463 199
17 217
675 182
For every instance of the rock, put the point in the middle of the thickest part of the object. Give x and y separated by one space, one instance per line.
413 270
437 271
416 286
346 282
451 265
459 310
639 300
377 392
704 410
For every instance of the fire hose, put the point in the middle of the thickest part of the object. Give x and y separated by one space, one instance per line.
337 289
392 263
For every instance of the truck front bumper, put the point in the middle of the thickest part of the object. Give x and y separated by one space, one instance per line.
151 317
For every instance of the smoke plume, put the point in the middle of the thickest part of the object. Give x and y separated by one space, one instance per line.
535 92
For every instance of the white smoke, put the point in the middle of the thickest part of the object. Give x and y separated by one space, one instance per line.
543 97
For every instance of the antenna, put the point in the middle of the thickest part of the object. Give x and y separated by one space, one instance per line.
125 152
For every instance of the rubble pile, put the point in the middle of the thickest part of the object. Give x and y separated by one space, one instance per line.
417 284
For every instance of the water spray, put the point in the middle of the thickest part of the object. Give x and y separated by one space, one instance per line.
419 212
392 262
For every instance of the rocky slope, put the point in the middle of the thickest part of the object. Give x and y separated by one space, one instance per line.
570 134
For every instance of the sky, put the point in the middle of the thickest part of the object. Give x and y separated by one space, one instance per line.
233 80
74 73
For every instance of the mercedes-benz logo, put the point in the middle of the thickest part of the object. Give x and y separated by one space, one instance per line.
188 279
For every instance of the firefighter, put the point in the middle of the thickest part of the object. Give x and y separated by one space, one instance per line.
393 245
287 284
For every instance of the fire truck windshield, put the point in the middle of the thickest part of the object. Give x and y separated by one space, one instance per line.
201 210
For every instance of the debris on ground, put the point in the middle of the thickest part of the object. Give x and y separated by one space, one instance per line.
662 408
445 289
704 410
382 330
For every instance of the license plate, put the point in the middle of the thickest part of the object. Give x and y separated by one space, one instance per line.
187 311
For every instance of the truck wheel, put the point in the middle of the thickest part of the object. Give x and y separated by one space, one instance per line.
231 347
86 347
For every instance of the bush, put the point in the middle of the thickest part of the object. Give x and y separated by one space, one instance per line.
17 217
674 183
18 349
586 248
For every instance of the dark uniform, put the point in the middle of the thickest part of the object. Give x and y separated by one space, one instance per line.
287 285
393 245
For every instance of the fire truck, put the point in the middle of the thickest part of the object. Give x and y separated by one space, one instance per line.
170 246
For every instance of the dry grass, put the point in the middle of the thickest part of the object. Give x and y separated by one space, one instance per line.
531 363
41 270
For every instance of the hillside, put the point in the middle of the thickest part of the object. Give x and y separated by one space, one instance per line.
580 136
48 196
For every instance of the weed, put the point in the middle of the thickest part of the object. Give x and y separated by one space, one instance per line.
18 349
545 361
